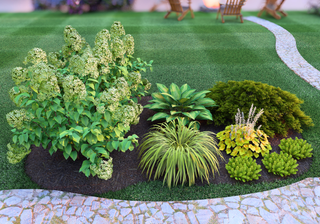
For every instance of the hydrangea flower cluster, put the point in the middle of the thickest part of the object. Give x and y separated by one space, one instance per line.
44 81
18 118
104 170
15 153
128 43
74 89
117 30
53 58
19 75
35 56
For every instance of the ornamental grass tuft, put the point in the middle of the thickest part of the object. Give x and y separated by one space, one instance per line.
179 153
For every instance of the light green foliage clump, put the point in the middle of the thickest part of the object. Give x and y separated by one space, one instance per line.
80 100
281 108
280 164
243 168
242 139
298 148
179 153
180 103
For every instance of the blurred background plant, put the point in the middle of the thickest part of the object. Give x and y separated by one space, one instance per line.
80 6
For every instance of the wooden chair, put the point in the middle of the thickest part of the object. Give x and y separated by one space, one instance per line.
231 8
272 7
178 8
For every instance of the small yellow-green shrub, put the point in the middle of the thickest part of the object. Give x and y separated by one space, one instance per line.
298 148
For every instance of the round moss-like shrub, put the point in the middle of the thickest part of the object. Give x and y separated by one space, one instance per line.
243 168
280 164
298 148
281 108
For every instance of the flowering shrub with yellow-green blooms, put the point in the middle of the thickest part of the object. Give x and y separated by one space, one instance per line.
82 100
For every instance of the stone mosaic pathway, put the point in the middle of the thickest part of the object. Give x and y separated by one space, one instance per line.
288 52
296 203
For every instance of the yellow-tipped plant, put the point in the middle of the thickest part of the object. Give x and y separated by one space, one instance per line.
179 153
241 139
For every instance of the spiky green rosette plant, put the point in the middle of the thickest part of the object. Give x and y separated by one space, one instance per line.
298 148
280 164
242 139
180 103
243 168
179 153
82 101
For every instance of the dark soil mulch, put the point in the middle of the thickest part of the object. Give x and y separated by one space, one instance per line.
56 173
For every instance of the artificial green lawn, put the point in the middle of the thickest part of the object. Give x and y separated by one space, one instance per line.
196 51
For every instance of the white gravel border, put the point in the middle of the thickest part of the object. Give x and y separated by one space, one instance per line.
288 52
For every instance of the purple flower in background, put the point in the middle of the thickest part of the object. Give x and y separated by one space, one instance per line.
75 6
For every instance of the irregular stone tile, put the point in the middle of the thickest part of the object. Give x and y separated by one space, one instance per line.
151 205
77 201
12 201
143 207
44 200
307 192
71 210
136 210
79 211
233 205
252 219
204 215
125 211
11 211
95 205
179 217
166 208
89 200
192 217
191 206
235 216
269 217
4 220
40 218
72 220
159 215
288 219
218 208
106 203
252 202
179 206
26 216
124 204
113 213
154 221
202 203
271 206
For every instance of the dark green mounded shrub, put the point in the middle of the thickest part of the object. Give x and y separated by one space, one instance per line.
243 168
298 148
280 164
281 108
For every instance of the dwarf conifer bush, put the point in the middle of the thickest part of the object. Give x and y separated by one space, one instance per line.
280 164
80 99
243 168
281 108
298 148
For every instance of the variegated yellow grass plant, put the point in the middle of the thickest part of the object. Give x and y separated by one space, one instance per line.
242 139
179 153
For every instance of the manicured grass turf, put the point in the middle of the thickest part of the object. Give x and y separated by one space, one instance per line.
196 51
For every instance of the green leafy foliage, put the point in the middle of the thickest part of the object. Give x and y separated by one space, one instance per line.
84 101
280 164
281 108
183 102
179 153
243 168
298 148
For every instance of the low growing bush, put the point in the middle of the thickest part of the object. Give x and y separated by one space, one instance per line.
281 108
280 164
241 139
298 148
243 168
180 103
179 153
84 101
